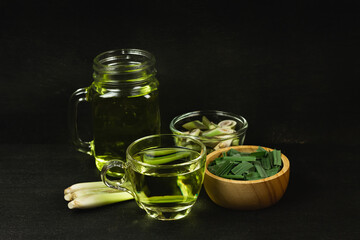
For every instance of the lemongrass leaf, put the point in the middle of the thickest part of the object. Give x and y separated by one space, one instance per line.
150 159
277 157
265 162
240 158
242 168
230 176
272 171
260 169
233 152
224 168
253 176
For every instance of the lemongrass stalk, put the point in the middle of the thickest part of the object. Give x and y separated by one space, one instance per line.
158 152
194 124
84 185
98 200
83 192
166 158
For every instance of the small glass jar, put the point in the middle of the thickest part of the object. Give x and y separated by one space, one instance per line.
234 137
124 103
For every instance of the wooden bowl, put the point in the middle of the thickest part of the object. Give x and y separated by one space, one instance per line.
246 195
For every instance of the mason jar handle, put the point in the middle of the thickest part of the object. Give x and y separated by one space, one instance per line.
122 183
77 97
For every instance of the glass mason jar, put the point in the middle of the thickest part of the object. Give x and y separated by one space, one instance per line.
124 104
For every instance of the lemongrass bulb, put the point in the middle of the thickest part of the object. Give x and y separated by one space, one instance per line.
98 200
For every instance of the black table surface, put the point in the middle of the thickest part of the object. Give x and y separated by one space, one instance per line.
321 201
291 68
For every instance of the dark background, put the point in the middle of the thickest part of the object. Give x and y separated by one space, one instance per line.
291 68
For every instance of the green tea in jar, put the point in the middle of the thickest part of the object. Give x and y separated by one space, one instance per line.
124 103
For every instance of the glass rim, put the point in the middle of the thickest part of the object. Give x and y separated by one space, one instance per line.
209 112
111 55
132 160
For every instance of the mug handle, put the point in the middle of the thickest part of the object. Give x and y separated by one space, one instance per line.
77 97
121 184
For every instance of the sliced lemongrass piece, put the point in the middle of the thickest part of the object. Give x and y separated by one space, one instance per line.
227 124
84 185
210 143
223 144
224 137
217 131
195 132
194 124
208 123
98 200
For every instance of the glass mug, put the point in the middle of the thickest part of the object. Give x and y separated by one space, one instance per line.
124 103
163 172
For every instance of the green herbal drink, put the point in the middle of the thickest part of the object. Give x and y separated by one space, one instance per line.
119 120
164 192
124 103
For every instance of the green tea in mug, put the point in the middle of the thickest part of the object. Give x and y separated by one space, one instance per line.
124 103
170 190
163 172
